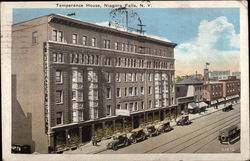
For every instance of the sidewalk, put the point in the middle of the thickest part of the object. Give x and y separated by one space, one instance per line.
90 149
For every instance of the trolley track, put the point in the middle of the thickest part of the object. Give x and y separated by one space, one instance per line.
188 134
215 130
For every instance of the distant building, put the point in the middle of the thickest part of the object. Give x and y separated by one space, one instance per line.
221 91
189 93
237 74
218 75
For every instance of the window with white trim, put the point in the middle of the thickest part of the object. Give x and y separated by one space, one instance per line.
84 40
118 92
93 42
108 94
108 110
74 39
59 76
59 97
59 118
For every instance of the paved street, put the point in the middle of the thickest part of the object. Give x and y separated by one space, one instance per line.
199 137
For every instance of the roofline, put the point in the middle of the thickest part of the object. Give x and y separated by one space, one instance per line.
31 19
100 27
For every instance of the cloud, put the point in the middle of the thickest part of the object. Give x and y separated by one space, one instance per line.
216 42
123 28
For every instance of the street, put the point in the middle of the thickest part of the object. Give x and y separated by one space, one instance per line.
201 136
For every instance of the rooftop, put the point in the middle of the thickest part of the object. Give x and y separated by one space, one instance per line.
58 18
189 80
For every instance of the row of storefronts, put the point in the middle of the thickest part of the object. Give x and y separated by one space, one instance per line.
73 135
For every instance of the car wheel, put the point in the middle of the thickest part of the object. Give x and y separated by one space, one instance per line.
223 138
134 141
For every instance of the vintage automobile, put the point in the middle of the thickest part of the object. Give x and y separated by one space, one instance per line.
137 135
21 148
229 133
163 126
183 121
227 108
150 130
119 140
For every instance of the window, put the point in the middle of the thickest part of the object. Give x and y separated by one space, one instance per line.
54 35
150 104
142 90
59 57
80 96
84 40
116 45
58 76
136 106
34 37
59 118
149 90
131 105
108 112
93 42
106 44
135 91
60 36
142 105
80 115
127 47
118 106
73 95
118 92
126 106
117 77
59 96
125 92
123 47
108 94
108 77
74 38
130 91
128 77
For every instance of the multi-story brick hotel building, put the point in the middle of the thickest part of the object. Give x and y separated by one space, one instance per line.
72 80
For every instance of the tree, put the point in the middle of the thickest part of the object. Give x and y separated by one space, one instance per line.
178 79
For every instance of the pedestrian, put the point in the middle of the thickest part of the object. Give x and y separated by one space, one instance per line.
93 140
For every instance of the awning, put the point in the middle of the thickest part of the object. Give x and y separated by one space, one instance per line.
221 99
213 102
192 106
202 104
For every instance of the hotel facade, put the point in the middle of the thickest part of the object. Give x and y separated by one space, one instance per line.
72 80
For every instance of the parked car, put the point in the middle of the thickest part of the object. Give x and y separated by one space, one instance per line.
183 121
119 140
227 108
21 148
150 130
137 135
227 134
163 126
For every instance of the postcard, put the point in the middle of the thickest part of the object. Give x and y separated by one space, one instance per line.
129 80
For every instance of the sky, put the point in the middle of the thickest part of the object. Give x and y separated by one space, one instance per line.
202 34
